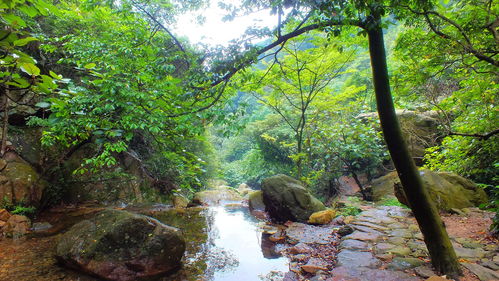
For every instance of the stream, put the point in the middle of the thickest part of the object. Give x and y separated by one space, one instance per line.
223 243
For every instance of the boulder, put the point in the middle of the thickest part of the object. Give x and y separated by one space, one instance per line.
420 130
255 201
448 191
322 217
180 201
119 245
16 226
215 196
244 189
20 182
287 199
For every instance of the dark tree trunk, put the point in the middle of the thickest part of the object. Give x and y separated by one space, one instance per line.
437 241
5 127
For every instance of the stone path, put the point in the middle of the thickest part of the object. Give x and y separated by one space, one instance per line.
386 245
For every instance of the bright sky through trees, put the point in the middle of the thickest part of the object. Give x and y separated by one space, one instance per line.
214 31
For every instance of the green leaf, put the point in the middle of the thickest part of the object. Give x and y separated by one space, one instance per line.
43 104
90 65
55 75
30 69
14 20
24 41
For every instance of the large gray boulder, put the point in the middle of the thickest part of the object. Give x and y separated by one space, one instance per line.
119 245
287 199
447 190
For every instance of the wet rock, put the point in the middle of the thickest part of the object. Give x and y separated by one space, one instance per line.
41 226
255 201
362 236
468 243
436 278
300 248
483 273
322 217
404 233
179 201
314 265
299 232
348 258
354 245
399 263
343 273
119 245
17 226
345 230
287 199
424 271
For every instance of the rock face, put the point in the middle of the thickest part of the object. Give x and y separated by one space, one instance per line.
286 199
19 181
119 245
447 190
420 130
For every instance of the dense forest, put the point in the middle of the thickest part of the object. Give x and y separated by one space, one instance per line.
359 101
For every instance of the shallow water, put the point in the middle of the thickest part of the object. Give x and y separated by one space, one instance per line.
223 243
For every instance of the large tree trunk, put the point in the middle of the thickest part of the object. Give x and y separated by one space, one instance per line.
436 238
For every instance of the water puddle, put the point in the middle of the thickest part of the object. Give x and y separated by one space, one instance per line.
223 243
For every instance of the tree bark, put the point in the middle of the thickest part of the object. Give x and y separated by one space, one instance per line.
5 125
435 235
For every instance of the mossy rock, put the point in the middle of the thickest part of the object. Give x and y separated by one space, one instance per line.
447 190
255 201
215 196
322 217
20 183
287 199
119 245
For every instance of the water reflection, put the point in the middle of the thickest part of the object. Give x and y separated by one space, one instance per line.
223 243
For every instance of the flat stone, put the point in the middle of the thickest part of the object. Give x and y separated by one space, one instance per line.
300 248
495 258
404 233
383 247
376 219
397 225
492 265
362 236
399 263
400 251
483 273
367 229
371 225
299 232
396 241
314 265
351 258
385 257
40 226
466 253
343 273
424 271
354 245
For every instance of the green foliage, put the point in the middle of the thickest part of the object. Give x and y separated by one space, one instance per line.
349 210
392 201
23 210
